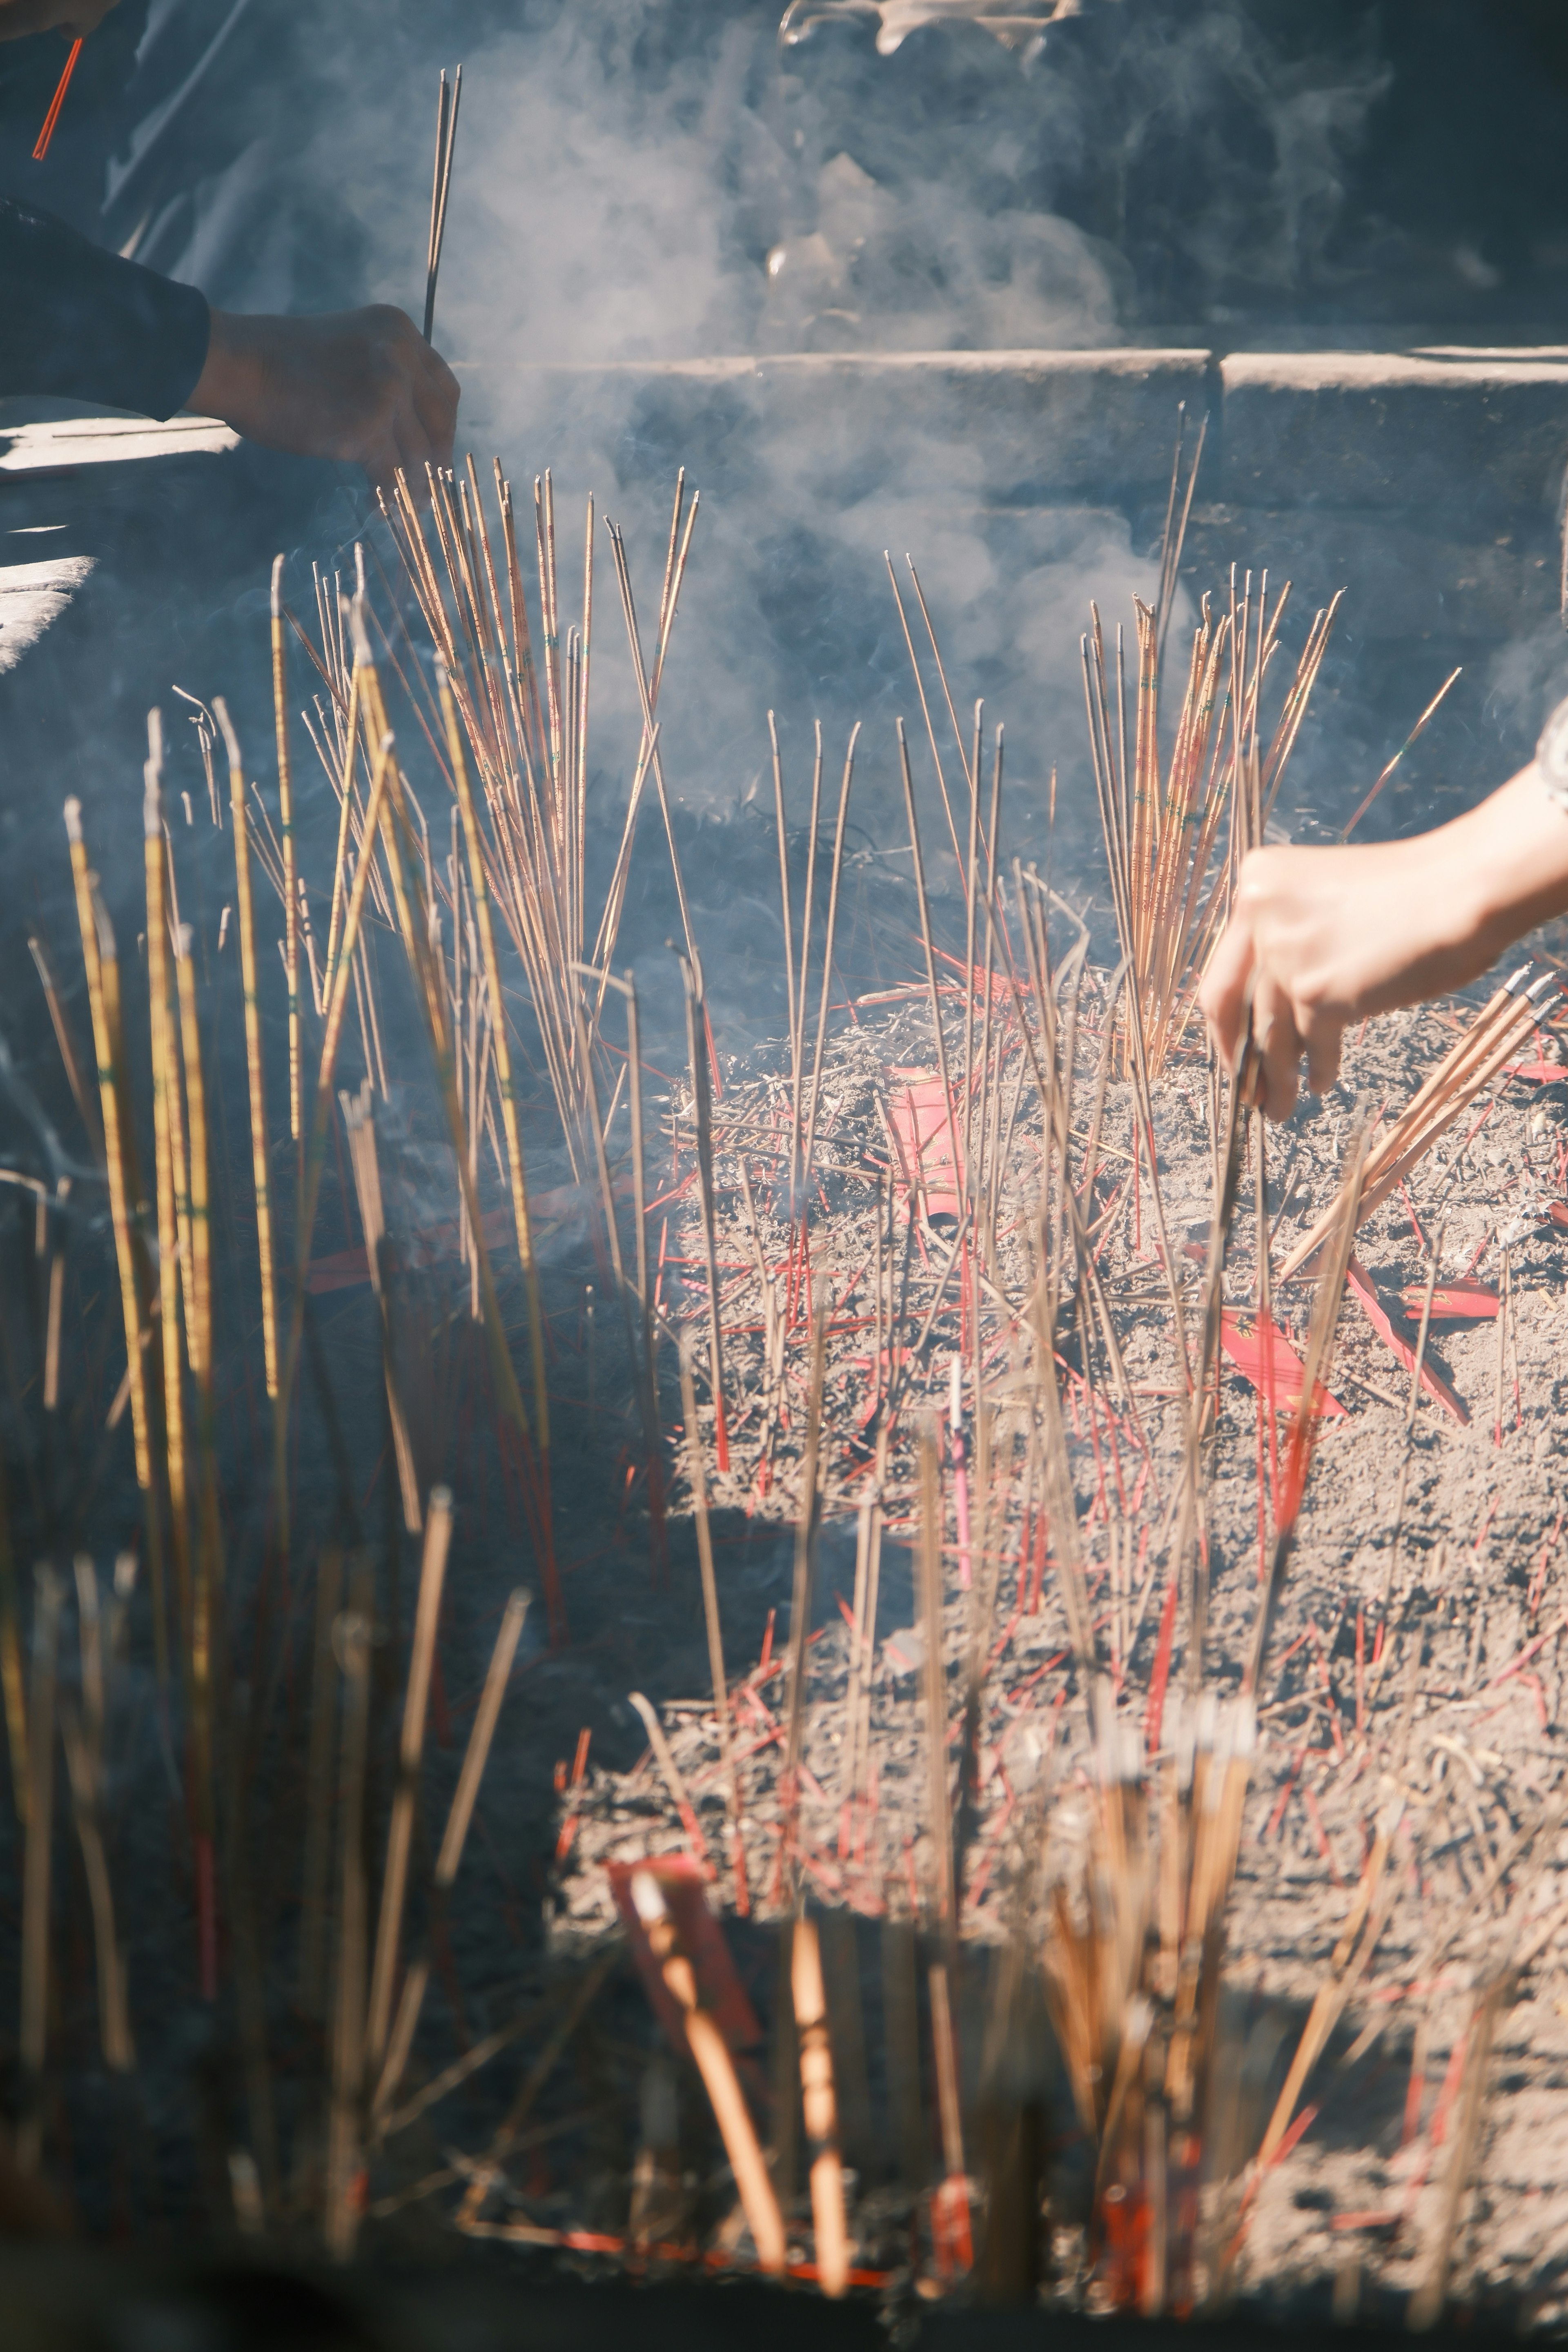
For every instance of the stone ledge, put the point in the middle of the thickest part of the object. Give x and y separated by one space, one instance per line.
1477 434
1404 580
995 424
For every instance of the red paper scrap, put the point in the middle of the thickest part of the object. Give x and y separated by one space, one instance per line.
1459 1301
1538 1074
683 1883
1262 1354
924 1128
1376 1314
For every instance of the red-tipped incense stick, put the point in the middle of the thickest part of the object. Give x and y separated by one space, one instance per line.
58 99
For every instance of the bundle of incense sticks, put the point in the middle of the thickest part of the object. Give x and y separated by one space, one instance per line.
1170 886
526 728
1132 1966
1493 1039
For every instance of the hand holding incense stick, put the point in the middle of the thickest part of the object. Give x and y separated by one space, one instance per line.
1326 936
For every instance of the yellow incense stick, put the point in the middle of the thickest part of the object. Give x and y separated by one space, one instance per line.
166 1118
258 1149
97 949
500 1046
286 816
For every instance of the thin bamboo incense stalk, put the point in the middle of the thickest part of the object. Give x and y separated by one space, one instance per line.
96 937
958 1168
797 1010
414 924
828 954
925 712
1428 713
11 1680
856 1665
259 1149
84 1763
670 1773
1315 1374
447 142
784 889
315 1147
938 1804
33 2035
819 2108
352 726
286 821
80 1086
628 609
400 1832
698 1478
717 2069
500 1046
206 1583
696 1025
443 102
317 1851
166 1117
352 1638
475 1757
805 1534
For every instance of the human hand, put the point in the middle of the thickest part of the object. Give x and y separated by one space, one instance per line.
1324 937
74 19
362 384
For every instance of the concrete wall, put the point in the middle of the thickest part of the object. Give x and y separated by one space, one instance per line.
1429 482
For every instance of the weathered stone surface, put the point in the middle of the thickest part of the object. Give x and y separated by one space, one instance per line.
986 425
1474 436
1401 580
32 598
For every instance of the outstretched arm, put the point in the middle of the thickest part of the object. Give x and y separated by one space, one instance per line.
77 322
1326 936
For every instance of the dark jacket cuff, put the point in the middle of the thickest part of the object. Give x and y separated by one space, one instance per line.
82 324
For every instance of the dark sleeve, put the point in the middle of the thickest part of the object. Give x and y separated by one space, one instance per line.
80 323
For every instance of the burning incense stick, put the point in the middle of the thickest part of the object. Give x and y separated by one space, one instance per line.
717 2069
500 1047
286 824
259 1146
448 1860
446 147
1419 726
350 1638
32 2041
102 987
167 1130
804 1578
394 1880
1494 1038
697 1477
819 2110
695 1026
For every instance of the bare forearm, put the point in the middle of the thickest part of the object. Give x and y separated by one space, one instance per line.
1318 938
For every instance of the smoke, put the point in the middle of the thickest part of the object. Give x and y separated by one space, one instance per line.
642 190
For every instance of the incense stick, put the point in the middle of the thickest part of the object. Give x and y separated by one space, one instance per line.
445 146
